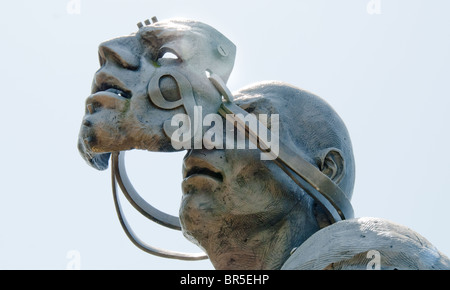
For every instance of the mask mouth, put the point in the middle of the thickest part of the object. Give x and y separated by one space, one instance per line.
114 89
119 93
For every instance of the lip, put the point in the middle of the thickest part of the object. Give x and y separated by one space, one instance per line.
115 89
109 99
106 100
117 92
197 167
109 95
204 172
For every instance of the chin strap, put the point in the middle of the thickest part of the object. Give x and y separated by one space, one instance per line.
119 175
303 173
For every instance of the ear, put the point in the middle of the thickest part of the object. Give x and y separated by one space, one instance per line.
332 164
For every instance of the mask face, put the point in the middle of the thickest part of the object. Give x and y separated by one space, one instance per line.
147 78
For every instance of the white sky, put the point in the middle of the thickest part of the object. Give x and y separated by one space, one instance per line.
385 74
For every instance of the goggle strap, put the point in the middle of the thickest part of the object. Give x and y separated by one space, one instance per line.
303 173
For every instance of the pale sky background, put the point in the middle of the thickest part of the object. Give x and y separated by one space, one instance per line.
386 75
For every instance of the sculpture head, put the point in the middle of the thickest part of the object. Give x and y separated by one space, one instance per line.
247 213
233 202
144 80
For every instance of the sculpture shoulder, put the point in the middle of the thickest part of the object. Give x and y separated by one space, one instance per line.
363 243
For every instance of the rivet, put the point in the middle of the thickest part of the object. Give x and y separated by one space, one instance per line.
222 50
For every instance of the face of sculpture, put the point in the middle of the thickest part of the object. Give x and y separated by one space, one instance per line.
231 199
221 184
165 59
236 205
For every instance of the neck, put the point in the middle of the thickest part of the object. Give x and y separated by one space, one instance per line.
264 248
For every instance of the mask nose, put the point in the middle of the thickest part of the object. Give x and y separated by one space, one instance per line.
122 52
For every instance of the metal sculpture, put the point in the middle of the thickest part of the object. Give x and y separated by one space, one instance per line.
179 68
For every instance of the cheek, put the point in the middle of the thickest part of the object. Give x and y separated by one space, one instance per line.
254 191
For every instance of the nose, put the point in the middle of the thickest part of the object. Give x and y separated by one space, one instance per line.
216 158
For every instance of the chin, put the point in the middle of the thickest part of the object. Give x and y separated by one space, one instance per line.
197 205
199 208
197 216
201 197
